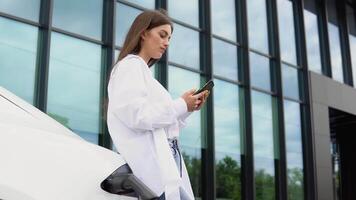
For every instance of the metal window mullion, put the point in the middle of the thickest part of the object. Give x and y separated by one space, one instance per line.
43 55
345 42
208 180
309 172
281 164
108 55
247 160
162 64
324 37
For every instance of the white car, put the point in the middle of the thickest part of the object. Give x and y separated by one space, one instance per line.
42 160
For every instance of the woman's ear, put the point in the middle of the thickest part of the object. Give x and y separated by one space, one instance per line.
144 35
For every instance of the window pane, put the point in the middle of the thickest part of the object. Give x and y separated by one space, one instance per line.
74 85
18 48
81 16
29 9
352 36
257 29
227 140
223 18
312 40
286 31
125 15
185 10
290 82
179 81
334 41
144 3
260 71
225 59
263 139
293 136
184 47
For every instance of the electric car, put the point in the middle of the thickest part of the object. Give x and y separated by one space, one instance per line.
40 159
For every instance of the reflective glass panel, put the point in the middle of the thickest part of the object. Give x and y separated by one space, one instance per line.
227 140
74 85
260 71
293 135
263 139
185 10
225 59
312 41
179 81
18 48
81 16
223 18
290 82
125 15
352 37
334 42
257 29
287 31
29 9
144 3
184 47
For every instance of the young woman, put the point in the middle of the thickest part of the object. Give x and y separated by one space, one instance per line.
143 119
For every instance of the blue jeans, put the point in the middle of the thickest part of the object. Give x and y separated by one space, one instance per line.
162 197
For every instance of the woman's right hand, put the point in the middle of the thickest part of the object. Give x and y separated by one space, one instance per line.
192 101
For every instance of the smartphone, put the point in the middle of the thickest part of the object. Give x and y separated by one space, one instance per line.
208 86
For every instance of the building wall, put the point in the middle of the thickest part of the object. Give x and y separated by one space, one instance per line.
325 94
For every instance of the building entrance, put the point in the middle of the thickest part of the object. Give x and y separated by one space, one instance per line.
343 150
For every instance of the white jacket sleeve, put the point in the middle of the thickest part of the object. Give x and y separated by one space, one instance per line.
182 119
128 100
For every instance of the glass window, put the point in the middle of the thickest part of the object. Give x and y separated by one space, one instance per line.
312 40
83 16
117 52
74 85
293 135
224 18
179 81
263 139
18 48
227 140
184 47
287 31
260 71
352 37
144 3
125 15
334 42
225 59
257 29
290 82
29 9
185 10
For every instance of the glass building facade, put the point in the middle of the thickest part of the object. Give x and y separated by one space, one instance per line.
252 139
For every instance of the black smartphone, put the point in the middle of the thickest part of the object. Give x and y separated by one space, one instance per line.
208 86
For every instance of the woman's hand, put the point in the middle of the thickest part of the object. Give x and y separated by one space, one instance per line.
194 102
203 99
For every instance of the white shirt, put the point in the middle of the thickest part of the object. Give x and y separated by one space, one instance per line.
141 117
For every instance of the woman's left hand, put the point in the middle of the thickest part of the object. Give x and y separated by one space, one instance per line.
203 100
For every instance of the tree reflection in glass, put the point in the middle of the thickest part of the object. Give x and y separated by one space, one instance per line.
263 139
293 135
227 140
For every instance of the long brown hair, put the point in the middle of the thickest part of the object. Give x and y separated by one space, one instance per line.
147 20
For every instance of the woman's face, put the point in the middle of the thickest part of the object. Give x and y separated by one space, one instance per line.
155 41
